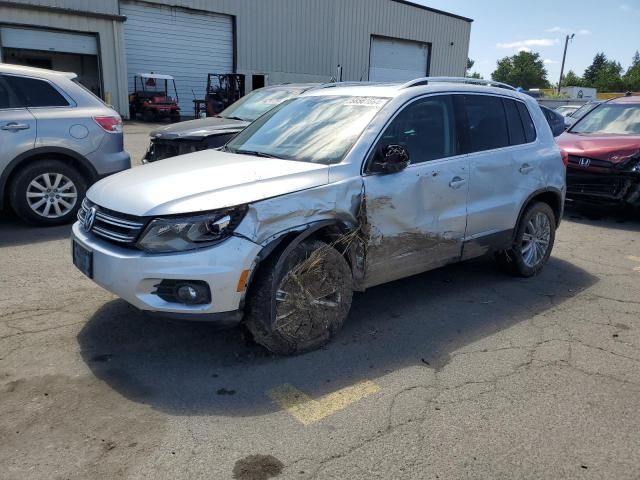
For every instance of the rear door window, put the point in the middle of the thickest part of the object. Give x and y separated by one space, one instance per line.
487 123
514 122
8 98
527 123
36 93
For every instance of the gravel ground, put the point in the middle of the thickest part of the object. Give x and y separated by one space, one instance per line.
462 372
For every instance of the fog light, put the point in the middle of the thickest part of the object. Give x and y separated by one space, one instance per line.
188 292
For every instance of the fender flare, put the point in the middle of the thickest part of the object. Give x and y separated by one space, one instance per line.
528 200
20 160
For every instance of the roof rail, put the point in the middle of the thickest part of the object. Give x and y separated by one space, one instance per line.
344 84
474 81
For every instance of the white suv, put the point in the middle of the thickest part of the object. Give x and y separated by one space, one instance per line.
337 190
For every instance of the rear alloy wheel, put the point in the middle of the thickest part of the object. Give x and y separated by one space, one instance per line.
47 193
533 242
300 307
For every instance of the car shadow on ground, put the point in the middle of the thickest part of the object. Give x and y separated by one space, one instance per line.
14 231
619 218
194 368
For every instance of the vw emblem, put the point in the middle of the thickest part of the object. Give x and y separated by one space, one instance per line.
89 218
584 162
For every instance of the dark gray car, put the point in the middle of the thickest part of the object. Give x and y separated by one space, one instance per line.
56 139
213 132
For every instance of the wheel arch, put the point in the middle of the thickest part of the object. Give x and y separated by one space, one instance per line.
550 196
71 157
326 230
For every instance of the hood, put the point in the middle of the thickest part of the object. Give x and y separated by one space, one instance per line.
200 128
202 181
612 148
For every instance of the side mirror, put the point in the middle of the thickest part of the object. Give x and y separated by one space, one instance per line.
390 159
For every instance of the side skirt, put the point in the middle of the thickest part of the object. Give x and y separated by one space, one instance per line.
479 246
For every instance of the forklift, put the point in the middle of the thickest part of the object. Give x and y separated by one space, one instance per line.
222 91
151 100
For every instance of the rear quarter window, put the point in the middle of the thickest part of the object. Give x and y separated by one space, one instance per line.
36 93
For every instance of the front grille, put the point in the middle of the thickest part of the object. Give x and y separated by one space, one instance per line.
112 226
595 184
586 162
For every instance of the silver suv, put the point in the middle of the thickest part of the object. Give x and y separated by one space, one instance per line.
335 191
56 139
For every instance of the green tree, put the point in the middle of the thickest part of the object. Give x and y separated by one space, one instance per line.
475 75
525 69
591 73
571 80
631 79
609 78
604 74
470 63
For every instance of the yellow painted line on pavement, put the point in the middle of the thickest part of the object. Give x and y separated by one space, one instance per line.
635 259
307 410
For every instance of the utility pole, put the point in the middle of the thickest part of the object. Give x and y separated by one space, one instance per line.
564 57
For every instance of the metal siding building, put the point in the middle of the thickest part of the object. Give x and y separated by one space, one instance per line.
270 41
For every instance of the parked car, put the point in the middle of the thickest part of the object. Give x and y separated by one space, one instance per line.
566 110
581 112
337 190
213 132
56 139
604 154
555 120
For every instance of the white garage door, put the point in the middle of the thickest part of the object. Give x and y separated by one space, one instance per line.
48 41
392 60
177 42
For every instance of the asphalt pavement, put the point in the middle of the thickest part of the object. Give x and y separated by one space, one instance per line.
462 372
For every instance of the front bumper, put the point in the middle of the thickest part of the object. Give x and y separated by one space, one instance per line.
599 187
132 275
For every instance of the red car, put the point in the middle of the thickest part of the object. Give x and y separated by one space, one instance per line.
604 154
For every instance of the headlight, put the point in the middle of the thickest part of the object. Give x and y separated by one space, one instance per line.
165 235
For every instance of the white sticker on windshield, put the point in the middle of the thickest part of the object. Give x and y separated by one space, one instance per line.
366 101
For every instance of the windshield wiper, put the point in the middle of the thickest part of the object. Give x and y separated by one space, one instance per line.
254 153
234 118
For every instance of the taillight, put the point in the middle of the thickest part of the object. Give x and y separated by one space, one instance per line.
565 157
110 124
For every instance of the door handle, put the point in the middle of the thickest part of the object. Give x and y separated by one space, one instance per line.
457 182
525 168
13 126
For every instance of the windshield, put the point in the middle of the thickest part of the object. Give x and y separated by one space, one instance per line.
309 129
260 101
584 109
611 118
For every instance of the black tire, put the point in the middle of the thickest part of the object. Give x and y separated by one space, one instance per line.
20 186
514 260
174 118
308 270
132 113
148 115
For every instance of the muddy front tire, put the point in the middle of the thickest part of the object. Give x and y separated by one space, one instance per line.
302 305
533 242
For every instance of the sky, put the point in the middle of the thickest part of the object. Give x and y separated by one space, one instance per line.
501 28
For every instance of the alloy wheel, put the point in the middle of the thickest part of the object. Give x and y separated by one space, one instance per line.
536 238
52 195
